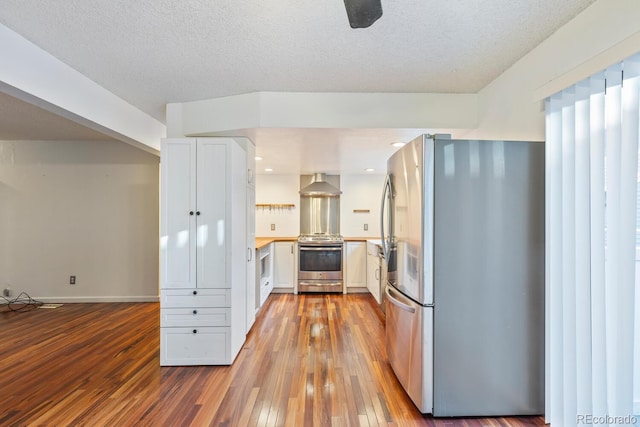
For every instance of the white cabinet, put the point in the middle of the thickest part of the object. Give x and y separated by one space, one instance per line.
373 271
251 235
284 265
204 251
356 264
265 268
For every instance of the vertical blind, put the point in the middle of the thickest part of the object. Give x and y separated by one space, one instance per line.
592 132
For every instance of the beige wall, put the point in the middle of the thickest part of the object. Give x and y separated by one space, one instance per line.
88 209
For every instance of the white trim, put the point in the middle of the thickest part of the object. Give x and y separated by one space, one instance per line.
636 407
599 62
439 112
37 77
71 300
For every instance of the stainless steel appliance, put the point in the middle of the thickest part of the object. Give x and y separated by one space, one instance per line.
320 208
320 243
320 265
463 236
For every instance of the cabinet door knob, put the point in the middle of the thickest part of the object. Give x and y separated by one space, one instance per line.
190 212
195 311
195 292
198 213
195 331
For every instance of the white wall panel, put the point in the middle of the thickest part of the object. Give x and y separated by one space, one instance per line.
278 189
361 193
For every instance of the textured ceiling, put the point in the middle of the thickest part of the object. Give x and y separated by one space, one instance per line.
152 52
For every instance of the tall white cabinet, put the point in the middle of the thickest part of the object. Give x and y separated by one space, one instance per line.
204 249
251 235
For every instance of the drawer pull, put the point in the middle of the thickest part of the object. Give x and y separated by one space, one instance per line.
195 331
195 292
195 311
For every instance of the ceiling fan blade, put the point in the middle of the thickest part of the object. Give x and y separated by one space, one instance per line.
363 13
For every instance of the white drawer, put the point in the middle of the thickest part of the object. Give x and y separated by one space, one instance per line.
187 298
198 317
194 346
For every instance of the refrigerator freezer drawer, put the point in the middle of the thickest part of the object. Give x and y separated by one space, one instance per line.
410 347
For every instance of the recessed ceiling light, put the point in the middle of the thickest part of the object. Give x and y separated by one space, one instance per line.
369 170
398 144
258 158
268 170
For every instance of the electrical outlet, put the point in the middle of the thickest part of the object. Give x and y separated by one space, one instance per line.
366 227
72 280
273 227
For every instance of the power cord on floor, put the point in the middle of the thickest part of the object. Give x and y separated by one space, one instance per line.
22 302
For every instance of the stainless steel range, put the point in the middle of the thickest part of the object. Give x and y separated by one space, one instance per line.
320 243
319 264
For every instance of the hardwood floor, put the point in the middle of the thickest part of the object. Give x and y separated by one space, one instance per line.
312 360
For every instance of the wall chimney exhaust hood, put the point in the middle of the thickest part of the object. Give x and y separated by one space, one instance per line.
319 187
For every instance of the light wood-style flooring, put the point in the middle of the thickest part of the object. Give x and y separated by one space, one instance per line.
309 360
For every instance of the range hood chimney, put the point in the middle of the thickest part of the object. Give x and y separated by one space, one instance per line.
319 187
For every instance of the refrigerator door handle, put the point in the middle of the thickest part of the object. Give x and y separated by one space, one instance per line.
398 303
385 192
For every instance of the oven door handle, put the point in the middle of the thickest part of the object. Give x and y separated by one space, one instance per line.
311 283
305 248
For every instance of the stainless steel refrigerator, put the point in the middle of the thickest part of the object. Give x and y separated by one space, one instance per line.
463 235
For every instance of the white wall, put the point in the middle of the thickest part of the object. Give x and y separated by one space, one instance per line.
278 189
360 192
322 110
88 209
511 107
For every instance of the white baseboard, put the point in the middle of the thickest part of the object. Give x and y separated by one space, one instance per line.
71 300
357 290
282 291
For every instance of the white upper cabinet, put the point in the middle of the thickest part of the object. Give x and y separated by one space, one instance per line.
194 222
178 206
212 224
